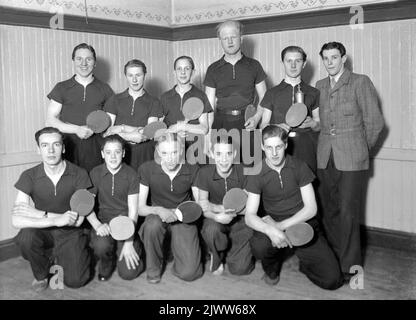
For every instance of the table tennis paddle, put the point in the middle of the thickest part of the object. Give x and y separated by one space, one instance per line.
300 234
98 121
296 114
121 228
192 109
154 128
82 202
188 211
250 111
235 199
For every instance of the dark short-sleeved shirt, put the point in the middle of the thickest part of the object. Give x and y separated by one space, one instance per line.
112 191
133 112
234 84
35 183
79 101
281 195
209 180
164 192
279 99
172 104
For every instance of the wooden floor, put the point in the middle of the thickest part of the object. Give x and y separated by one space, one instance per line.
388 274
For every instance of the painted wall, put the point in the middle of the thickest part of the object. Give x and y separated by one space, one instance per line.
32 61
385 52
180 12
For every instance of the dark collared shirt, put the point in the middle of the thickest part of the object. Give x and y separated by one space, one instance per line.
133 112
280 193
163 191
172 104
113 190
209 180
234 84
279 99
79 101
45 195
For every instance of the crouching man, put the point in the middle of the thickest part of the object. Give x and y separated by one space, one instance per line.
49 229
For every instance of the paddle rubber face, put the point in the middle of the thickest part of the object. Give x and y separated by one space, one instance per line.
151 129
300 234
250 111
98 121
296 114
192 108
236 199
188 212
121 228
82 202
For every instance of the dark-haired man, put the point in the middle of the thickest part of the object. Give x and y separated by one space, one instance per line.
71 101
351 122
277 101
50 223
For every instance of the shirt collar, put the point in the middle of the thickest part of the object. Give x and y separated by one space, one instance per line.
74 82
288 164
172 92
184 170
126 94
243 59
69 170
233 175
105 171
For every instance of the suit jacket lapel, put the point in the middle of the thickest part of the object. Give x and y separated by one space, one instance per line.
345 78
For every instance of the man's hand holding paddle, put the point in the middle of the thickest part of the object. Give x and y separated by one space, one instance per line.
166 215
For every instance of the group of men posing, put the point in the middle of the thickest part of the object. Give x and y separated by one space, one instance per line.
317 167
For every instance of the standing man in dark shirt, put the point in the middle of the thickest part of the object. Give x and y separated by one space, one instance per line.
303 140
71 101
232 82
50 223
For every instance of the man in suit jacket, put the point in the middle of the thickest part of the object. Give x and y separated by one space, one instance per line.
351 122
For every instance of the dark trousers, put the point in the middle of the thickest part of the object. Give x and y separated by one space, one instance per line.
108 250
316 259
342 197
247 140
229 242
184 243
70 250
85 153
303 146
139 153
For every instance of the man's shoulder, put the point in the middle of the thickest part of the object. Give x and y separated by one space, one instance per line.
320 83
33 171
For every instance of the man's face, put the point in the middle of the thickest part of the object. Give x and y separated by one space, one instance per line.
230 40
170 154
51 148
223 155
183 71
135 77
333 61
274 149
84 62
113 154
293 64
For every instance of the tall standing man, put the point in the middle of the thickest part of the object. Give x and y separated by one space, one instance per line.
351 122
232 82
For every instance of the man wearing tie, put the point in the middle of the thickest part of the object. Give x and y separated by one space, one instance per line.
351 122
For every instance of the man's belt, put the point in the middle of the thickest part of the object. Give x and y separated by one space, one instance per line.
232 112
